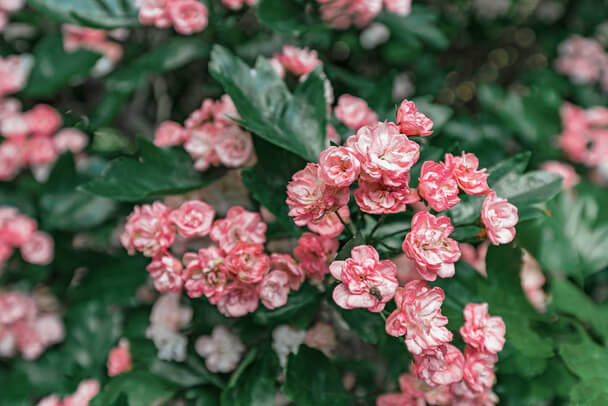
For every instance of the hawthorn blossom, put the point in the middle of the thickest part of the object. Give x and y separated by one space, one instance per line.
193 218
567 172
40 150
418 317
331 226
153 12
70 139
482 332
11 158
234 147
42 120
38 249
187 16
582 59
170 133
500 217
341 14
222 350
14 71
238 4
471 180
238 299
148 230
85 392
285 263
338 167
476 257
247 262
430 247
442 366
166 319
298 61
386 155
119 359
286 340
274 289
315 253
367 282
16 229
309 199
378 198
201 146
532 281
401 7
165 271
437 186
204 273
354 112
322 337
478 371
411 122
239 225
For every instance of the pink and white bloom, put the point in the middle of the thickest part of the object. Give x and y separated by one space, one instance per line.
201 146
170 133
70 139
482 332
38 249
401 7
166 272
234 146
437 186
148 230
441 366
341 14
385 154
119 359
14 71
471 180
354 112
500 217
274 289
418 317
154 12
12 158
193 218
476 257
16 229
567 172
42 119
532 282
187 16
315 253
284 262
239 225
338 167
298 61
14 126
85 392
222 350
247 262
478 371
367 282
378 198
238 4
40 150
331 226
204 273
238 300
321 336
430 247
310 199
411 122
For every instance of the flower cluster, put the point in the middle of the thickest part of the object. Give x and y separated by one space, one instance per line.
186 16
8 7
354 112
20 231
14 71
342 14
85 392
441 374
167 318
583 60
119 359
26 326
222 350
34 138
76 37
210 136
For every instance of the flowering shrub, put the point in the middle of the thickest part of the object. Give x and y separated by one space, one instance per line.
303 202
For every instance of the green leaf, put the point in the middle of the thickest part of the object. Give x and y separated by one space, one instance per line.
267 180
54 68
140 387
312 380
285 17
369 326
585 358
590 392
156 172
421 24
94 13
301 303
295 122
253 383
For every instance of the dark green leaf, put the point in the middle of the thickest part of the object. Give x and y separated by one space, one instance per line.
421 24
94 13
369 326
141 388
302 302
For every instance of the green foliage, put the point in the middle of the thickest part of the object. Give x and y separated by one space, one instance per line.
106 14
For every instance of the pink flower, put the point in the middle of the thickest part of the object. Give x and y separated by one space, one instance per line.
239 225
367 282
500 217
476 257
238 4
12 5
12 157
204 273
384 153
14 71
464 169
148 230
51 400
85 392
418 317
187 16
274 289
377 198
234 147
202 115
298 61
238 300
168 313
14 126
70 139
429 245
284 262
437 186
338 167
16 229
247 262
15 306
322 337
222 350
38 249
482 332
411 122
43 120
166 271
479 370
406 269
201 146
40 150
50 329
442 366
224 111
309 199
567 172
193 218
331 226
401 7
119 359
154 12
276 66
170 133
354 112
341 14
315 253
532 281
